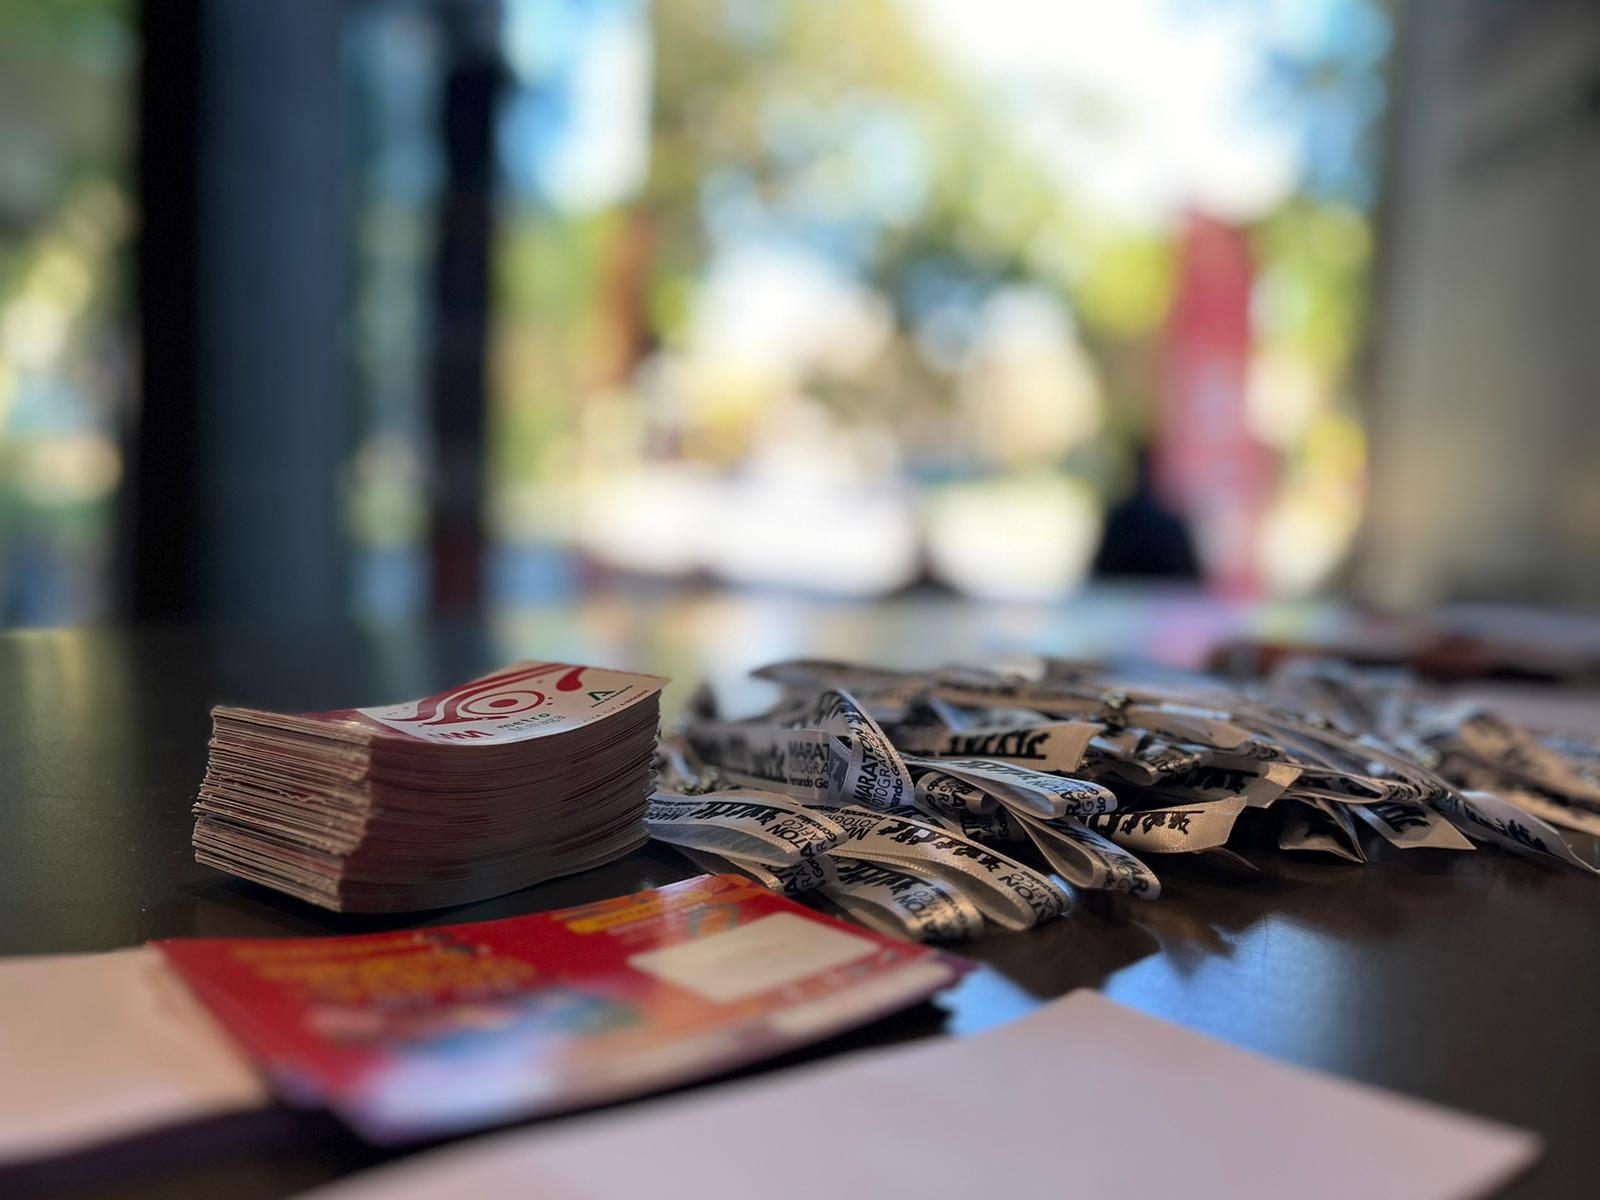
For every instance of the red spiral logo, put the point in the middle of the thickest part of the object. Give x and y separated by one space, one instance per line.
497 704
494 697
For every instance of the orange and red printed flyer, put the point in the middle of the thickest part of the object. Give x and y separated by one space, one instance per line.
428 1031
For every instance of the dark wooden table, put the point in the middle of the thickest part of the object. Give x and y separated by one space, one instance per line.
1470 980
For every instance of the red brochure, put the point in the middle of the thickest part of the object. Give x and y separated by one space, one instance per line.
428 1031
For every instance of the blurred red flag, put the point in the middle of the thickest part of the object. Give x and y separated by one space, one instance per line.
1206 464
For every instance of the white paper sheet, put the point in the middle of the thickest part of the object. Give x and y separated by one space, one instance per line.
1083 1098
98 1046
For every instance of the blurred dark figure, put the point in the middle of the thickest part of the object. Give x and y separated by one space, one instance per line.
1143 539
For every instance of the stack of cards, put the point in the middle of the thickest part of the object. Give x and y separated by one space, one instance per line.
538 770
414 1033
420 1032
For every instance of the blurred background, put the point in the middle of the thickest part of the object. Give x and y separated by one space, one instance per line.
391 309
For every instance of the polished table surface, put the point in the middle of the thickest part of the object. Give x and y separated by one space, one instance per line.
1471 980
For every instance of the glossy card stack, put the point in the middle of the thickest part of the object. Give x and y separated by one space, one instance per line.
415 1033
534 771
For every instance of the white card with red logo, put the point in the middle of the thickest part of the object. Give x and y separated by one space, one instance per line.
529 699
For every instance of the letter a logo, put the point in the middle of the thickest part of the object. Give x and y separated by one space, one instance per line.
597 697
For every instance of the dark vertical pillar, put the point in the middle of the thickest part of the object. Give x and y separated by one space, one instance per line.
460 371
242 292
162 497
272 270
